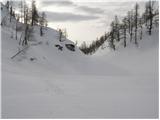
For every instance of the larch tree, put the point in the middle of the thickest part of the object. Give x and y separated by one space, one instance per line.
150 7
34 12
42 21
112 36
7 4
11 12
124 26
136 22
131 25
117 28
141 28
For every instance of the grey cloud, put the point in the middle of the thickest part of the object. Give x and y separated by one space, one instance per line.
56 17
90 10
57 2
67 3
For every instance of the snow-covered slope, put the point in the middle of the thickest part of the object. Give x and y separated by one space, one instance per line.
141 59
67 84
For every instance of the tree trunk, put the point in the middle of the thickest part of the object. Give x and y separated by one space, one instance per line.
41 30
16 30
124 37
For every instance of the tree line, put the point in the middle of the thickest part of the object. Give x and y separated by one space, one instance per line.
28 16
131 27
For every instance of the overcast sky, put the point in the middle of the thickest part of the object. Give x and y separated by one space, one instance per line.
85 20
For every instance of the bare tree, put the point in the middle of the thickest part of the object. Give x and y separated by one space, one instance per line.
141 28
7 4
124 26
42 21
60 35
136 22
150 7
117 28
112 36
11 11
16 29
25 41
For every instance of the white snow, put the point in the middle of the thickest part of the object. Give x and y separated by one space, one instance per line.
66 84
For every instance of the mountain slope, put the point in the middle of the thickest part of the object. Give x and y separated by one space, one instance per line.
138 60
44 82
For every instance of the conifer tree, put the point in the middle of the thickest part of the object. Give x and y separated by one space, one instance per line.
34 12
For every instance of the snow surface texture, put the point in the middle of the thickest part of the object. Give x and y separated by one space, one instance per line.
66 84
